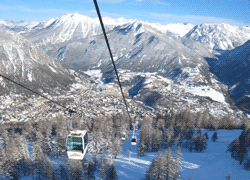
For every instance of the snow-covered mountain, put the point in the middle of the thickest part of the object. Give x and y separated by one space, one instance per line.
69 27
18 26
233 69
137 47
76 26
220 36
77 42
24 62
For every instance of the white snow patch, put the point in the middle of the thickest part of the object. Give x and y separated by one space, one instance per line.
29 76
94 73
78 86
52 69
206 92
190 165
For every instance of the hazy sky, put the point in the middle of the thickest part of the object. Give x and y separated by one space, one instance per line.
235 12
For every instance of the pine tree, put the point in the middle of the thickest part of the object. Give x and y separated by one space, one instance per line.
234 147
48 169
141 148
215 137
177 164
97 143
161 173
206 136
115 146
111 173
200 143
103 168
90 168
243 146
169 164
151 171
205 119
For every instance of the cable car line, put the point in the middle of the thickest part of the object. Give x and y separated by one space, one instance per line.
133 140
68 109
110 53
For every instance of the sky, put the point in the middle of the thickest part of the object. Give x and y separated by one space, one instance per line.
234 12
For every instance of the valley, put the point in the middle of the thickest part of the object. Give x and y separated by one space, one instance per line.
182 84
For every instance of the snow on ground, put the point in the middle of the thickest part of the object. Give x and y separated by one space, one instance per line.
96 74
77 86
214 163
52 69
206 92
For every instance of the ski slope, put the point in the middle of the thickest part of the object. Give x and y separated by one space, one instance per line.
214 163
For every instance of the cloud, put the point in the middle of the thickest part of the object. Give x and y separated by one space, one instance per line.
158 2
171 18
24 9
92 11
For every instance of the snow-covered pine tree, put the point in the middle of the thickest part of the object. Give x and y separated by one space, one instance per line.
177 164
38 157
48 169
168 136
160 165
205 119
97 143
213 122
151 171
115 146
102 168
169 164
141 147
198 120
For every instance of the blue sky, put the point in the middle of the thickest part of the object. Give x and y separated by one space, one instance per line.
235 12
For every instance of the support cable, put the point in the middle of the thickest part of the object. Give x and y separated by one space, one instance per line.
111 56
69 110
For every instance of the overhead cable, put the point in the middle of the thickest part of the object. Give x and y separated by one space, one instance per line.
110 53
69 110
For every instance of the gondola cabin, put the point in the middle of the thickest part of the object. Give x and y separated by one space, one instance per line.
133 140
123 136
77 144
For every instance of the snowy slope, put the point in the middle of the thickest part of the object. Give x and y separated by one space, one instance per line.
76 26
214 163
232 68
180 29
220 36
70 26
18 26
24 62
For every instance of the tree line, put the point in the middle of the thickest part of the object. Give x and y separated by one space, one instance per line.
26 148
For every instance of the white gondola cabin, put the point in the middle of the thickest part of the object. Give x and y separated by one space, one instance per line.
77 144
123 136
133 140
